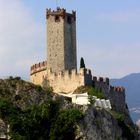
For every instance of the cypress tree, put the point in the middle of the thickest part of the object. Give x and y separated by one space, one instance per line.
82 63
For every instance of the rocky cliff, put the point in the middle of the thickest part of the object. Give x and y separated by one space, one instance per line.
96 123
99 124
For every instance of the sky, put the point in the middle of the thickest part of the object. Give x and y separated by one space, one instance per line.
108 35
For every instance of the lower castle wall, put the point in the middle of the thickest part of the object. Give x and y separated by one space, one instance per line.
101 84
37 78
117 100
67 82
115 94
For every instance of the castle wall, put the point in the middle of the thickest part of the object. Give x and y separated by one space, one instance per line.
101 84
38 73
116 95
68 81
38 77
117 98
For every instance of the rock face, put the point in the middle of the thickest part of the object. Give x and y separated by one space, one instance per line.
101 125
97 123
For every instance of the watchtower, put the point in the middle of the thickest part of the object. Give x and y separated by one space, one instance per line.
61 40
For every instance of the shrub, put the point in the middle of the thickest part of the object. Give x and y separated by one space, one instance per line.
38 88
65 125
91 100
96 92
44 121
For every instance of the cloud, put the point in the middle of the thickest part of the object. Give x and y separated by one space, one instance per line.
21 39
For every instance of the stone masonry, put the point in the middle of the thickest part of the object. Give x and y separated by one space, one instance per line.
61 40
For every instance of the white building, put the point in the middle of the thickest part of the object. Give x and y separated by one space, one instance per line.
83 99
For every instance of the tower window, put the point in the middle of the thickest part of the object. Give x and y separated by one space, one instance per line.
69 19
57 19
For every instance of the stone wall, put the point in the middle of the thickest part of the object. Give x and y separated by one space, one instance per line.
101 84
117 98
38 73
116 95
68 81
70 42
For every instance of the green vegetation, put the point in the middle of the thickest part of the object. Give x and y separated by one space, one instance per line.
91 91
38 88
127 131
91 100
82 89
82 63
96 92
44 121
118 116
65 125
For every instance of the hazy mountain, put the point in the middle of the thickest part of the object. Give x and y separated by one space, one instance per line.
132 84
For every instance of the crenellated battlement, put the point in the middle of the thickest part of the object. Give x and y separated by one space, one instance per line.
38 67
117 89
60 12
70 74
101 80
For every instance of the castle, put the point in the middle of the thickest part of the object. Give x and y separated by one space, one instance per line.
60 68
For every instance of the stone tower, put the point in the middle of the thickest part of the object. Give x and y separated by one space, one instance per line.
61 40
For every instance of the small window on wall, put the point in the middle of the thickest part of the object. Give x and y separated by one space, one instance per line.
69 19
57 19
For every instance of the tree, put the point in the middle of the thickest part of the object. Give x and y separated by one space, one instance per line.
82 63
64 126
44 121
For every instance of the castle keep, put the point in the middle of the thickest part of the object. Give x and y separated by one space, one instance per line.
60 68
61 40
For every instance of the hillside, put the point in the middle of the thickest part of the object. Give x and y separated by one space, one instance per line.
132 84
21 93
36 113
